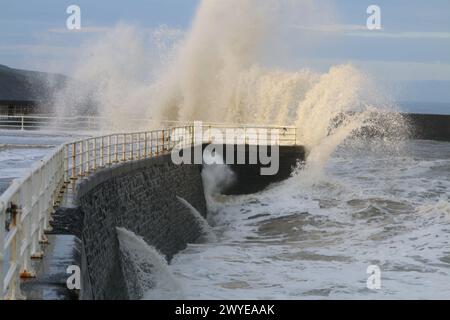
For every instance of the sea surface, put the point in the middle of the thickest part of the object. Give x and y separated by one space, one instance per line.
315 235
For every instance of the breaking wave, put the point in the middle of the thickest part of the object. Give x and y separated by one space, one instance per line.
218 71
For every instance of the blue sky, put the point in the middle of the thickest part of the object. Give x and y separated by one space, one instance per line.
414 44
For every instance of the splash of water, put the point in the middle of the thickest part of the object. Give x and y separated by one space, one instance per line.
217 72
441 207
207 232
216 178
115 77
145 269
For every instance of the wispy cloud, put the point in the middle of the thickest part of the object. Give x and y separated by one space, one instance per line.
91 29
390 71
331 28
403 35
354 30
36 49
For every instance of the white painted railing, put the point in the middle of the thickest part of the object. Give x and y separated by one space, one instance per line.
90 123
25 210
27 205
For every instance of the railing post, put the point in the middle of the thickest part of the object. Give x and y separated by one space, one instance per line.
163 141
139 145
157 142
109 150
38 218
66 165
151 144
131 146
102 153
95 155
74 161
22 123
14 286
172 138
81 172
116 149
295 139
145 144
88 158
124 148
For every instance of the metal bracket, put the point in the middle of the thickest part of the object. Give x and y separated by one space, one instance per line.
11 213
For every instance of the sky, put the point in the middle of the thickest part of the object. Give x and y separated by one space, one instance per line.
412 46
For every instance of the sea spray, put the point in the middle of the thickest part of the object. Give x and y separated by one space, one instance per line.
217 71
216 178
145 269
207 232
117 76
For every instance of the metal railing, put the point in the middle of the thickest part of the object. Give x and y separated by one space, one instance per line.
37 121
27 205
25 211
85 156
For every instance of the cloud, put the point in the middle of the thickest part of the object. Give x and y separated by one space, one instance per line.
37 49
332 28
390 70
91 29
401 35
355 30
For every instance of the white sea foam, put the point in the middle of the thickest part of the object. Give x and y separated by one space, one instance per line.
440 208
300 240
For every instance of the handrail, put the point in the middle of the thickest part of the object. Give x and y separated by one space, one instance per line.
27 205
38 121
29 122
25 209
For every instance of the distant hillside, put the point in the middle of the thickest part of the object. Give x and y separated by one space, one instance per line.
23 85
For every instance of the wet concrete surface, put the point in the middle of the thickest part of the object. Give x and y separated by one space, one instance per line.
51 277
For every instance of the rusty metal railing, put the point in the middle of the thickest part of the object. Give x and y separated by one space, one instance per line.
83 157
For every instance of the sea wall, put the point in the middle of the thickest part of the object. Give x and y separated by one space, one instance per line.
248 177
141 196
418 126
429 126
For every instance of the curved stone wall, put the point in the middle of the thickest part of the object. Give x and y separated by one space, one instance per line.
141 197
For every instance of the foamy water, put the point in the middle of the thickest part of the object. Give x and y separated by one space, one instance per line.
301 239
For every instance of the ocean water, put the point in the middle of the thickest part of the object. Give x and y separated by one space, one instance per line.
314 235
